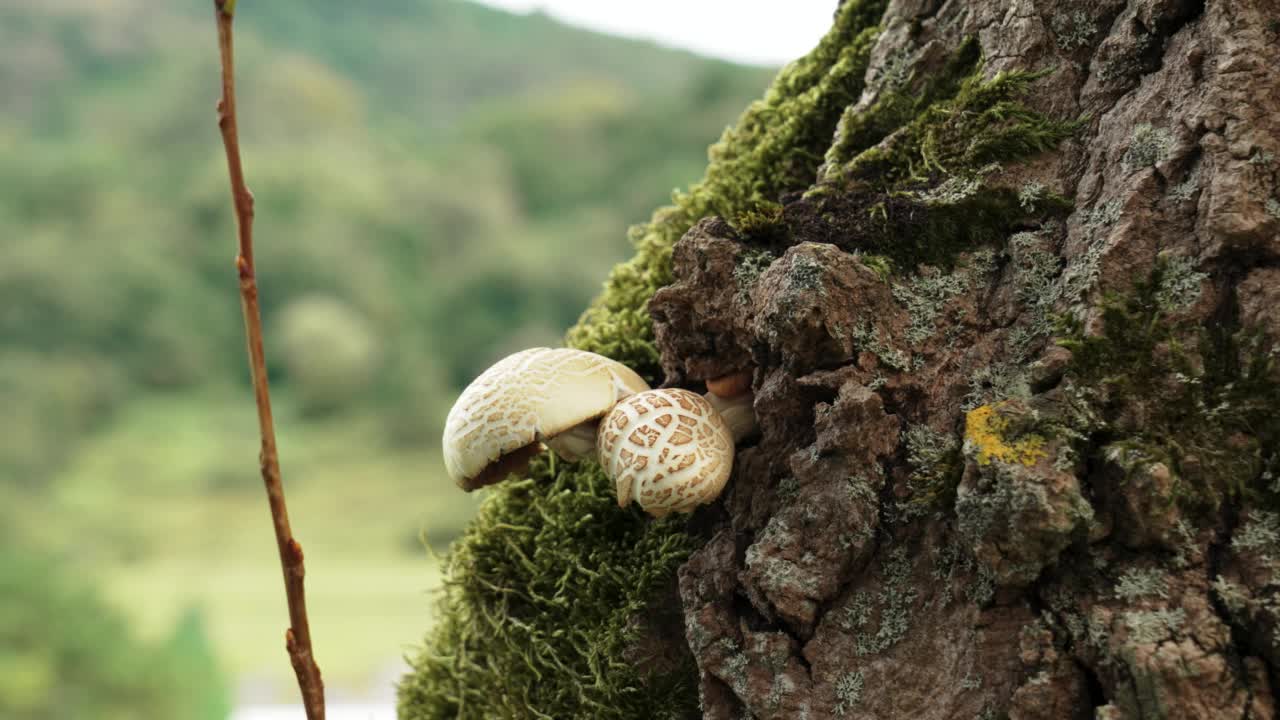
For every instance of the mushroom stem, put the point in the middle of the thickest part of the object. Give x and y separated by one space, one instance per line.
738 413
576 443
731 385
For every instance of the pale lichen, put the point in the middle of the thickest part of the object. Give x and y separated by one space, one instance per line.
1263 158
924 297
848 691
1148 145
893 603
867 336
1103 214
1179 284
926 294
1262 532
1029 194
951 191
1140 583
935 469
1153 626
1187 188
1035 271
750 265
1232 596
1074 29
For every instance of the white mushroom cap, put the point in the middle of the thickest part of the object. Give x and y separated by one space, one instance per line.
501 420
669 450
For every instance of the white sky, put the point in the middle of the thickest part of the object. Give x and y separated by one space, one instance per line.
752 31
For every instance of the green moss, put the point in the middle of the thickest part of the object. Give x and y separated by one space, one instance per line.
539 605
983 122
1207 411
913 227
910 180
775 147
879 264
762 224
896 107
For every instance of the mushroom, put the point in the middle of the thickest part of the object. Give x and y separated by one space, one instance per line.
731 385
731 396
669 450
501 420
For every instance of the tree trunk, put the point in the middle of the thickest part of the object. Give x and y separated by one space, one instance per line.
1018 409
1005 274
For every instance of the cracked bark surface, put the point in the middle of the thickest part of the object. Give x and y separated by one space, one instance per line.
944 516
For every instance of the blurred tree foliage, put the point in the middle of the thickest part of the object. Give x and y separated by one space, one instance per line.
437 182
64 654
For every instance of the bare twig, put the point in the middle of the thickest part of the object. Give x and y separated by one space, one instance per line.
298 636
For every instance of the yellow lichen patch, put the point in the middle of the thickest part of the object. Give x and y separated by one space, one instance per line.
984 429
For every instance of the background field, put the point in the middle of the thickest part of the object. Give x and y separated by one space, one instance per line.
438 184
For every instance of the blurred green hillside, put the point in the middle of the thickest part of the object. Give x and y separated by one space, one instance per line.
438 184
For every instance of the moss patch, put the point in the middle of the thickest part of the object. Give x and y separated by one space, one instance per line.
983 122
538 607
910 179
1200 398
898 106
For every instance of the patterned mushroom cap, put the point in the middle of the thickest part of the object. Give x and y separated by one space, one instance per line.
501 419
669 450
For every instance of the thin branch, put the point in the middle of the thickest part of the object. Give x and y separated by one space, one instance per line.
298 636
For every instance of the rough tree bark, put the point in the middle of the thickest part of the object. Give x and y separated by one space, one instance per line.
1006 273
1024 469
